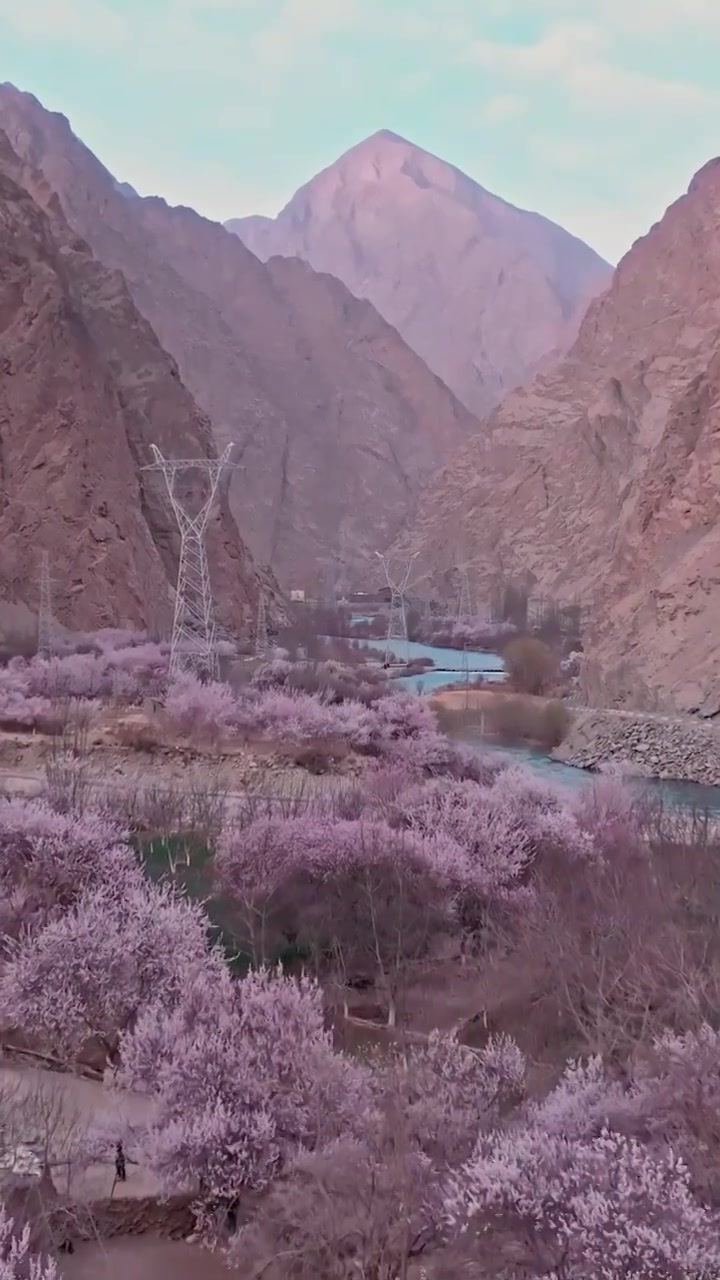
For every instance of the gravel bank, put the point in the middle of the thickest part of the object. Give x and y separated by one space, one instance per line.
678 749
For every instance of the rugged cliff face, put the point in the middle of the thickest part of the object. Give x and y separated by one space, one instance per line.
602 478
338 423
484 292
85 387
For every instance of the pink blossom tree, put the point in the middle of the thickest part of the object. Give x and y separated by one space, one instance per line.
580 1199
18 1261
675 1098
491 834
611 812
198 711
369 899
48 860
89 973
446 1090
369 1202
244 1076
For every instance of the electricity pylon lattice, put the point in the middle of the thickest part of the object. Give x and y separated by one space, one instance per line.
194 643
397 619
262 642
46 621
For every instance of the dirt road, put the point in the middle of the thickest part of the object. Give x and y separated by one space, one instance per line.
53 1112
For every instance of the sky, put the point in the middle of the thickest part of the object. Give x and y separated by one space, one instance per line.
596 113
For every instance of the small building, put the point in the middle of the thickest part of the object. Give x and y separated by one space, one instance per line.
297 596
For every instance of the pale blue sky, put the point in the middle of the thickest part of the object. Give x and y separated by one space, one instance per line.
595 112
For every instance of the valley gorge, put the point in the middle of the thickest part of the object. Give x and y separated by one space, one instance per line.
594 480
337 423
600 480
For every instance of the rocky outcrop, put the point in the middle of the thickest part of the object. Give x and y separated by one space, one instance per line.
677 749
484 292
338 423
85 387
601 479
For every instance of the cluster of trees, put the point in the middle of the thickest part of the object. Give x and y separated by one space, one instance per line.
448 632
356 1166
120 665
377 722
602 910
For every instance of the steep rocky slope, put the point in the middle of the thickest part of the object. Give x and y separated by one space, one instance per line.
602 478
338 422
484 292
84 389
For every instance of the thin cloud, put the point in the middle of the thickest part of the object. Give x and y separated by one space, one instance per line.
84 24
503 107
575 56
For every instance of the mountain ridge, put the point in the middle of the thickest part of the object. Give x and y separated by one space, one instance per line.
338 422
484 291
85 388
618 504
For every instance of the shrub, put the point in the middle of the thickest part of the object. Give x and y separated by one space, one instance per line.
201 712
516 719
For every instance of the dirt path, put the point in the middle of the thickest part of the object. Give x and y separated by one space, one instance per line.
53 1112
144 1258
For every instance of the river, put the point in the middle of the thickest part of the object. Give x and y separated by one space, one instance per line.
478 661
686 795
682 795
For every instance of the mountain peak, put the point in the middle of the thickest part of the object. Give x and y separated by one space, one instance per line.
484 292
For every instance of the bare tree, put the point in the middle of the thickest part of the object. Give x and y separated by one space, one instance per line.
72 772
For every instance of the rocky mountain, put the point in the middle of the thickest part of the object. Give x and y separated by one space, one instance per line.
338 423
85 387
602 478
485 293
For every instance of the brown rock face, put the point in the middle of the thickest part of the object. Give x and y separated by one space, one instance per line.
602 478
484 292
85 387
339 423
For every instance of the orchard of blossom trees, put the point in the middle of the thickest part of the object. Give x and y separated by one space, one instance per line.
577 1136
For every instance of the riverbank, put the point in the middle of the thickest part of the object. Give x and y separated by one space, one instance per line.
667 748
673 749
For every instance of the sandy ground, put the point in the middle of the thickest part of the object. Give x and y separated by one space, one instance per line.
478 699
144 1258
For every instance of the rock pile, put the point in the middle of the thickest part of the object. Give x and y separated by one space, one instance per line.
672 748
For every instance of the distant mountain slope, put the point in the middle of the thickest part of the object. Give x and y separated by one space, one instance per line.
602 478
85 388
339 423
484 292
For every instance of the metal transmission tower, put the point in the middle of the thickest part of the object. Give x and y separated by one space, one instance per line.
262 642
193 646
46 621
397 620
